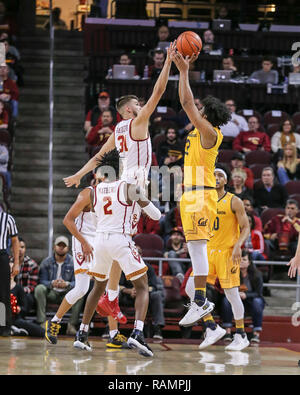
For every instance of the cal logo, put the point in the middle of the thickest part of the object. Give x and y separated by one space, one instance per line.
202 222
234 269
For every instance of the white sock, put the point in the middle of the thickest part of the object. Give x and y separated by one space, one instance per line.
84 328
112 294
56 319
139 325
113 333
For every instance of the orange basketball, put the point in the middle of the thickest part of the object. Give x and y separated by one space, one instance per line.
188 43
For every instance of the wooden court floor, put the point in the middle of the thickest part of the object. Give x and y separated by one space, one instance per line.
25 356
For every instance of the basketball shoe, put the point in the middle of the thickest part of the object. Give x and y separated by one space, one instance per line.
51 331
239 343
212 336
106 307
81 341
196 312
118 341
136 340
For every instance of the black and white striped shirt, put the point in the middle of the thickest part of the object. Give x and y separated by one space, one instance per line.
8 228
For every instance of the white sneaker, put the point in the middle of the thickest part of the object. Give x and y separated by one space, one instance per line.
212 336
196 312
238 343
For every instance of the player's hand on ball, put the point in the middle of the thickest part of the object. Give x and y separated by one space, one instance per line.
72 180
171 51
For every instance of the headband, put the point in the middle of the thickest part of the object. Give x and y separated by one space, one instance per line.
221 171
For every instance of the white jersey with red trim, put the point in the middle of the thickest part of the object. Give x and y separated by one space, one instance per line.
86 222
114 215
136 155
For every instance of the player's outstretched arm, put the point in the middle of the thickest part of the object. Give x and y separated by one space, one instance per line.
91 164
158 90
186 97
83 200
134 194
294 263
240 213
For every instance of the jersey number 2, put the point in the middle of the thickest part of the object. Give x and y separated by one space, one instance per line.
107 210
123 145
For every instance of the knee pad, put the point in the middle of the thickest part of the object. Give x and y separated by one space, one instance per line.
198 253
233 296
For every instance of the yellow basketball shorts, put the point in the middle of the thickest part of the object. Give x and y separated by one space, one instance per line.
222 266
198 210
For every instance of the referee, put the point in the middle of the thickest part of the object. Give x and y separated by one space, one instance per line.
8 230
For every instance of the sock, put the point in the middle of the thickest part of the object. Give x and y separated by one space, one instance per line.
112 294
200 296
56 319
139 325
209 322
113 333
240 328
84 328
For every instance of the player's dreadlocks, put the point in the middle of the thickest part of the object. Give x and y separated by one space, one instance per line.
109 164
216 112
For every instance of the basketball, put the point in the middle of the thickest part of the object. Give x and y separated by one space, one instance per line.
188 43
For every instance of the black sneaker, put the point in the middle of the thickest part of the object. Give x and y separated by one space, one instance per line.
255 339
157 335
136 340
118 341
105 334
227 338
51 331
81 341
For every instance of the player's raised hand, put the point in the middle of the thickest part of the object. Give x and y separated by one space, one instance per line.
171 51
72 180
294 264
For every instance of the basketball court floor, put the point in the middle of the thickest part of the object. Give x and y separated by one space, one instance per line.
25 356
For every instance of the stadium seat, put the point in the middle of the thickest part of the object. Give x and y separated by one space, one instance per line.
269 213
272 129
296 196
172 292
258 157
157 140
257 169
292 187
225 155
166 113
250 113
277 116
296 118
149 242
298 129
5 138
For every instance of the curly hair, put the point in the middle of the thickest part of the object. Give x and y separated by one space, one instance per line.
216 112
108 162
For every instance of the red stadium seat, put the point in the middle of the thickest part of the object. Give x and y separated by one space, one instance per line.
157 140
250 113
296 118
149 241
277 116
292 187
269 213
272 129
257 169
258 157
166 113
296 196
225 155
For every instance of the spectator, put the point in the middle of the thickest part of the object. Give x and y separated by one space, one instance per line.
289 167
4 158
248 204
171 151
159 57
126 60
268 193
11 49
228 64
255 243
163 35
128 293
282 231
4 117
251 291
209 46
94 115
238 162
253 139
239 177
56 279
177 248
99 134
27 278
285 135
237 123
58 23
266 75
147 225
19 307
11 61
222 13
9 91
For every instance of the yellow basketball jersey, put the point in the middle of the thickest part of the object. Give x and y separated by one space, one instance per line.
199 163
226 230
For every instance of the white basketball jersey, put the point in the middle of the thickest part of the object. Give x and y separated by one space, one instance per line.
114 215
136 155
86 222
